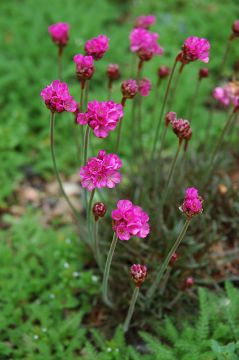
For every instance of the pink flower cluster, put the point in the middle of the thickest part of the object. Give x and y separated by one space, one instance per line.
144 43
101 171
145 87
129 220
145 21
57 98
102 117
138 273
193 49
84 66
192 204
228 94
129 88
59 33
97 46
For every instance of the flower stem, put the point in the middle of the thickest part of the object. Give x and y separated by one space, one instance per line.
96 243
81 95
172 170
131 309
195 96
165 263
109 89
123 101
171 100
225 55
163 107
52 127
88 213
60 51
107 270
86 142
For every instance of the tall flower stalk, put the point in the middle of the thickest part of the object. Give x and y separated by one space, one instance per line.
107 271
203 73
99 211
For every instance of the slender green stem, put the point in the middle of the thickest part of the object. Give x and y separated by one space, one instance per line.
89 209
86 143
165 263
109 89
225 55
107 270
163 138
195 96
82 87
123 101
96 242
131 309
52 127
60 51
173 92
163 107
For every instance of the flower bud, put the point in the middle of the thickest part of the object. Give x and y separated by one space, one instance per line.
189 282
163 72
235 28
173 259
170 117
113 71
138 273
203 73
129 88
99 210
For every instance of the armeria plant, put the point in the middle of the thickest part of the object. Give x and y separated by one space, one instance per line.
102 170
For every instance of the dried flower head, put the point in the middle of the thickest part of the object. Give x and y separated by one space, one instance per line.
101 171
193 49
145 21
102 117
57 98
163 72
129 88
203 73
84 67
138 273
192 204
99 210
145 44
144 86
97 46
113 71
129 220
59 33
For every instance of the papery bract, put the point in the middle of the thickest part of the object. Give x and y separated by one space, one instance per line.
59 33
57 98
145 87
144 43
101 171
97 46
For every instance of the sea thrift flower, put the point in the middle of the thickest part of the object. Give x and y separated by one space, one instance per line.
189 282
228 94
59 33
99 210
163 72
97 46
101 171
170 117
57 98
102 117
195 48
144 87
182 129
138 273
145 21
129 220
192 204
84 67
129 88
235 28
144 43
203 73
113 71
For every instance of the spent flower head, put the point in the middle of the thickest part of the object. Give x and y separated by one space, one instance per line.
145 21
130 220
101 171
57 97
193 49
144 43
99 210
84 67
192 204
97 46
59 33
138 273
144 86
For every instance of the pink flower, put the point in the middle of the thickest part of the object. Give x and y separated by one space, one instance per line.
144 87
57 98
138 273
195 48
170 117
144 43
113 71
101 171
84 66
102 117
182 129
129 88
163 72
145 21
129 220
227 94
192 204
97 46
59 33
189 282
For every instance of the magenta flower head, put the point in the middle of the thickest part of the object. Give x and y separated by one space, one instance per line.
145 21
145 87
138 273
113 71
99 210
102 117
182 129
228 94
235 28
59 33
203 73
170 117
129 89
57 98
97 46
84 67
163 72
101 171
129 220
192 204
193 49
144 43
